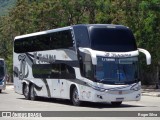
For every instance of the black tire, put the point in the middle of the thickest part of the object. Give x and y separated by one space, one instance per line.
32 93
0 91
75 97
116 103
26 92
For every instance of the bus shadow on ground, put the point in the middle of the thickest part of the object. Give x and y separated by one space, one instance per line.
84 104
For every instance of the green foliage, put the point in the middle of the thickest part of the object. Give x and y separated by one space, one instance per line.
142 16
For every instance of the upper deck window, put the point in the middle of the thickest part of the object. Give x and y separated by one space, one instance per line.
55 40
112 39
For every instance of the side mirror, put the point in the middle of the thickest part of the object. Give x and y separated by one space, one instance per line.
148 55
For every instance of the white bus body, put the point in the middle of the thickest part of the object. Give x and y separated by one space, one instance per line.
94 62
3 75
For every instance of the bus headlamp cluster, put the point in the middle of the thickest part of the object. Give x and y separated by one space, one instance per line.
98 88
136 87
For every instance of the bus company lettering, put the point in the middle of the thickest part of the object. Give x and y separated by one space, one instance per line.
44 58
118 55
107 59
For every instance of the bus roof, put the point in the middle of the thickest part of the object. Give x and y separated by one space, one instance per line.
67 28
1 59
42 32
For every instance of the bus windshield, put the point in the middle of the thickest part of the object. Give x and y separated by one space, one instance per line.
117 70
1 69
112 40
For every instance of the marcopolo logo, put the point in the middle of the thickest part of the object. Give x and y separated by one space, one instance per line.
117 55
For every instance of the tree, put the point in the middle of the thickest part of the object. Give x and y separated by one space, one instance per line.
143 17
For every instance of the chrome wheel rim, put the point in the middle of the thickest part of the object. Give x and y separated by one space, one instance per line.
76 96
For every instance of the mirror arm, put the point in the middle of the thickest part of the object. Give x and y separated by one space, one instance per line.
148 55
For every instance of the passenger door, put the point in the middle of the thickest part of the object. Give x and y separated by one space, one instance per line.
55 73
66 75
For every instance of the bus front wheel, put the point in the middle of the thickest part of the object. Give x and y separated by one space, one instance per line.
0 91
116 103
26 92
75 97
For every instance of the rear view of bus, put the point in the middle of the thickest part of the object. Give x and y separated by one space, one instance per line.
2 75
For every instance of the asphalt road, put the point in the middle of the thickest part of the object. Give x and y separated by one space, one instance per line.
11 101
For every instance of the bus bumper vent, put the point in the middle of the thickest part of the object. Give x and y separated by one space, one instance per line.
99 96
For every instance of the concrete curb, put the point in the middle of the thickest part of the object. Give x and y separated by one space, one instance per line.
151 94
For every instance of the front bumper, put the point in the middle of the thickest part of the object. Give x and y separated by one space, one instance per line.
117 96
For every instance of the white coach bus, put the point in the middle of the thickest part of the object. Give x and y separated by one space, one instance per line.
3 75
90 62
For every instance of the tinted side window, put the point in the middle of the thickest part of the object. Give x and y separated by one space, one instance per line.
67 72
62 39
81 36
46 70
57 71
86 66
1 63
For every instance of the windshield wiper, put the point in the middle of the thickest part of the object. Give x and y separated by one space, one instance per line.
101 80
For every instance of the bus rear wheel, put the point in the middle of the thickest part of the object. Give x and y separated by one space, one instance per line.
0 91
26 92
75 97
32 93
116 103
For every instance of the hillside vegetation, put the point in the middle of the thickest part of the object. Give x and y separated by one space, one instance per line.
142 16
5 6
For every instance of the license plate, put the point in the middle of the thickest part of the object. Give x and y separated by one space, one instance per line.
119 99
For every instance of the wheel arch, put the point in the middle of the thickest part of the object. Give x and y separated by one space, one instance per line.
71 89
27 82
24 82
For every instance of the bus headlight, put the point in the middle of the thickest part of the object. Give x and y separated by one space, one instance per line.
98 88
136 87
